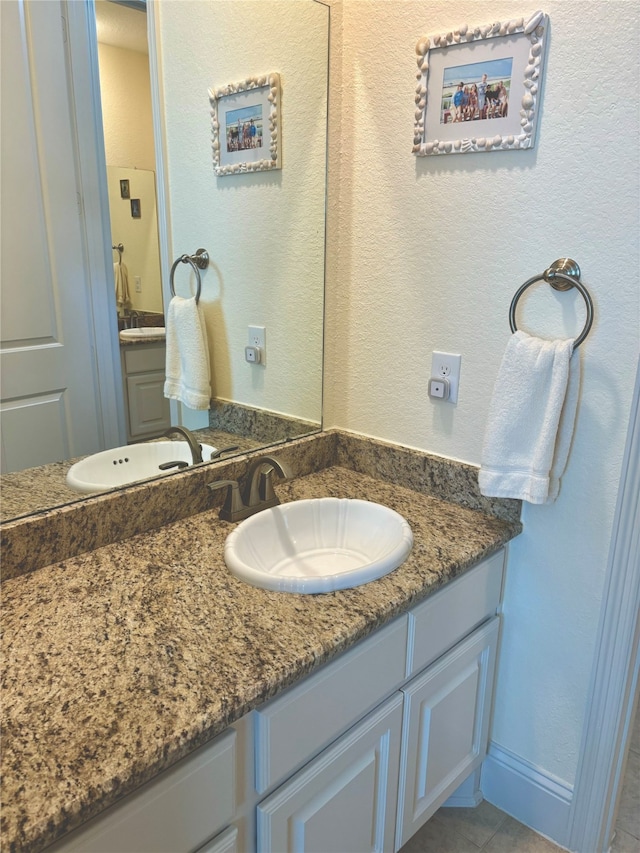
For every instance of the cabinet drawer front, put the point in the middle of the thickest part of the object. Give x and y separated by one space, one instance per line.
174 813
344 800
144 358
449 615
445 728
295 726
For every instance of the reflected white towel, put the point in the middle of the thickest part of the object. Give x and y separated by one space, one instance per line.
187 369
531 419
121 279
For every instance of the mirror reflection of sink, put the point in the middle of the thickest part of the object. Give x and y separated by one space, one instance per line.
123 465
318 545
143 333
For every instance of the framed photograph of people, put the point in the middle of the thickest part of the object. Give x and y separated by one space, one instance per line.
478 88
246 126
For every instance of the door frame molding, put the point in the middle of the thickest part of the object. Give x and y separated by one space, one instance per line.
611 702
84 77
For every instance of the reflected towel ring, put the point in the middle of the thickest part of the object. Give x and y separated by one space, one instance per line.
200 259
568 272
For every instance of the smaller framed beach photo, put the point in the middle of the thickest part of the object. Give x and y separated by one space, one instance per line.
478 88
246 126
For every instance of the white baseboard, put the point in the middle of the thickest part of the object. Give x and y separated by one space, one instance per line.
467 795
527 793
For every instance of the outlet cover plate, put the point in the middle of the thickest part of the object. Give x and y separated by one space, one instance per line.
258 338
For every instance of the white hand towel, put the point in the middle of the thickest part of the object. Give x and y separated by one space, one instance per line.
187 367
531 419
121 279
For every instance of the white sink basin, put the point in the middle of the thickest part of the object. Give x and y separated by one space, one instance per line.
318 545
143 333
123 465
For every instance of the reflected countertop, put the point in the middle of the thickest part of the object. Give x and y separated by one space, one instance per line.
136 342
41 488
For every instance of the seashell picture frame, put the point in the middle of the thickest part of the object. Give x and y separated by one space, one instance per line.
246 127
478 88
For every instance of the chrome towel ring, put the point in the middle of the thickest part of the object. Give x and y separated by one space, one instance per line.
200 259
563 274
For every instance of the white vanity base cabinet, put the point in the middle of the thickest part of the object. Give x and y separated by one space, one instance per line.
445 728
143 375
226 842
177 811
353 759
344 801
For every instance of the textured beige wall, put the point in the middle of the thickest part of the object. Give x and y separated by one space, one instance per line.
426 253
126 107
138 236
265 231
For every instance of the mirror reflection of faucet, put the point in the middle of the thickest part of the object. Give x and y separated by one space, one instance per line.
256 491
189 437
195 449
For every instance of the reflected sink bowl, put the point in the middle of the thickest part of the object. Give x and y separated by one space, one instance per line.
318 545
143 333
123 465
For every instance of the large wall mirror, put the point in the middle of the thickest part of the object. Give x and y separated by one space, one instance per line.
264 233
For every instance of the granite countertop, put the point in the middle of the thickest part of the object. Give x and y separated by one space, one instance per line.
120 661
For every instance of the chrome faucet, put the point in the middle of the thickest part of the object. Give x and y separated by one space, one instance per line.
194 447
256 491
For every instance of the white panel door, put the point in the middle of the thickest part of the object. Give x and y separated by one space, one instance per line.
344 801
49 407
445 728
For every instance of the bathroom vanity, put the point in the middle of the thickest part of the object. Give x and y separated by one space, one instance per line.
143 375
393 725
155 702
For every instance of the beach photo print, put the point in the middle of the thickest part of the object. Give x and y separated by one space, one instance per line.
246 126
479 89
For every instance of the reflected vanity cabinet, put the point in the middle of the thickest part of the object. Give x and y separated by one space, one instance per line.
143 373
356 757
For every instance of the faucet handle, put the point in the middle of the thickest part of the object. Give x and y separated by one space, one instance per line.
233 505
265 488
254 483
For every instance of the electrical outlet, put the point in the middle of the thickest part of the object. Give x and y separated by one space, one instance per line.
258 339
253 355
138 282
446 366
439 389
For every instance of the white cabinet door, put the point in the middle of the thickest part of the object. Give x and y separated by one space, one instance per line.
344 801
445 727
225 842
149 412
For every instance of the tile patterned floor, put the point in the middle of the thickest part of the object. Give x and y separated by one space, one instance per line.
484 828
489 830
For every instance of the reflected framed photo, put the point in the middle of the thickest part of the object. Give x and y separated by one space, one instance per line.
136 213
124 188
246 126
479 88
